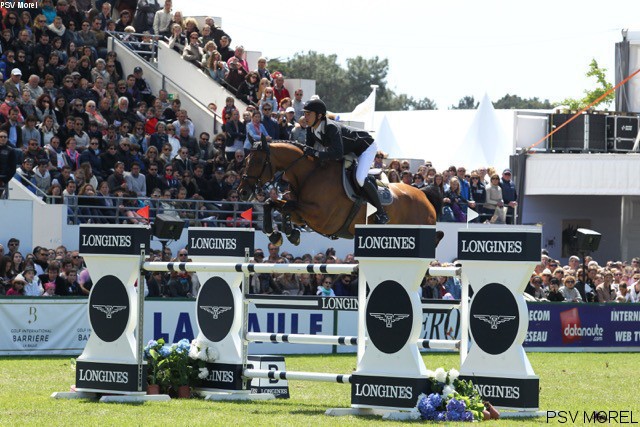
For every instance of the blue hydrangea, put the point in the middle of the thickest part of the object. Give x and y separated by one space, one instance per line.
441 416
456 405
435 400
165 350
467 416
427 411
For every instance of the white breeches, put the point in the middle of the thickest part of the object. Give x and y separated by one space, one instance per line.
364 163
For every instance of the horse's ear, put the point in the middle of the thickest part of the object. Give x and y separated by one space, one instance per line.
264 143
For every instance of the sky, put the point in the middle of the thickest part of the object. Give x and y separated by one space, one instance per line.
443 50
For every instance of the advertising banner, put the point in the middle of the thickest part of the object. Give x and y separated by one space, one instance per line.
43 326
58 326
590 327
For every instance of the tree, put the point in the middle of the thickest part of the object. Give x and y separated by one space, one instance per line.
511 102
466 103
591 95
342 89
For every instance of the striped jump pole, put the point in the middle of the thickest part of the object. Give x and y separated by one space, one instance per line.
301 338
303 376
229 267
452 345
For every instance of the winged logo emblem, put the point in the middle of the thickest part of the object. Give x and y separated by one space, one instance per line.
493 319
109 310
215 310
389 318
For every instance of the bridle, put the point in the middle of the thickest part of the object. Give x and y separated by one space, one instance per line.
258 178
258 184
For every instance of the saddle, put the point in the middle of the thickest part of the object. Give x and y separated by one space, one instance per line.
351 187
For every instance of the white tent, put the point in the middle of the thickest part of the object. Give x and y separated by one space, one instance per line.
386 140
485 142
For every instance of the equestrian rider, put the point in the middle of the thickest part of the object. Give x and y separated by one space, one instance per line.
327 139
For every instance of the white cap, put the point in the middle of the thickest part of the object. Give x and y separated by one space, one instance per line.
290 110
16 72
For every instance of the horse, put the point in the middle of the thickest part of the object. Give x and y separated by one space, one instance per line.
319 200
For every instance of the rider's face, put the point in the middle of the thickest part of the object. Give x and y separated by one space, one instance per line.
311 117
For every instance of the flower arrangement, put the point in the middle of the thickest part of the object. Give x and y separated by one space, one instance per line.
202 352
451 399
179 364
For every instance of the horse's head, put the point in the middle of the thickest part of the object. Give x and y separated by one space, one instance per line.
258 170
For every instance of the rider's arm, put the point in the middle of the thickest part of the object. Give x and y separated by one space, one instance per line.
332 140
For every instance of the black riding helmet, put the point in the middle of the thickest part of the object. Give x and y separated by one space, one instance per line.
316 106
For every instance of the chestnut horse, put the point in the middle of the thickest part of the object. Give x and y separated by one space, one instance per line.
319 200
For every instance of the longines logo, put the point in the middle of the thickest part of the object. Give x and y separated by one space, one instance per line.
105 240
383 391
102 376
212 243
215 310
386 242
388 304
499 246
493 319
109 310
389 318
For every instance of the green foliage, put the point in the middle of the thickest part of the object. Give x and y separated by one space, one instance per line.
591 95
511 102
466 103
342 89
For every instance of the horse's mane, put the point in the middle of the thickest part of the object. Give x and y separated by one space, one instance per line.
287 142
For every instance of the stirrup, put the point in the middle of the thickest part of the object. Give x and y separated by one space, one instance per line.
381 217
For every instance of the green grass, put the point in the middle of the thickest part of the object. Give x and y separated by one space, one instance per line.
568 381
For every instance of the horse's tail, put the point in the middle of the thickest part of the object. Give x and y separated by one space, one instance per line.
435 197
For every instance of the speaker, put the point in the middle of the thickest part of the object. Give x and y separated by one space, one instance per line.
167 227
586 127
587 240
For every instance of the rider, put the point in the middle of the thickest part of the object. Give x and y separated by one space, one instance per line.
327 139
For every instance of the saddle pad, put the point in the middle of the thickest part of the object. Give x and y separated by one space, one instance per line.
348 178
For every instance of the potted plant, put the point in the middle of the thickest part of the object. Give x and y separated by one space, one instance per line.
154 354
179 370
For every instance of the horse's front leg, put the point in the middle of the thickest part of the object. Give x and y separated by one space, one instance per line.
267 224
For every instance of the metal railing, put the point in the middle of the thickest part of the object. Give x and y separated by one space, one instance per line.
195 212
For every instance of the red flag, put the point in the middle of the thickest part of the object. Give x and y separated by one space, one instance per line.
248 214
143 212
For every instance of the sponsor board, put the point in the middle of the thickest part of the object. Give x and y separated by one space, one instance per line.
113 240
492 246
507 392
219 242
369 390
108 376
406 242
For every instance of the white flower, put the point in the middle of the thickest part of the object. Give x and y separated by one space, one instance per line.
430 374
204 373
212 354
447 390
453 375
441 375
193 351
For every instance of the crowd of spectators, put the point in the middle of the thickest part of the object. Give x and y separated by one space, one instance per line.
59 272
585 281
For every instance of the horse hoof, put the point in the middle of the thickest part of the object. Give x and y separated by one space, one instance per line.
294 237
276 238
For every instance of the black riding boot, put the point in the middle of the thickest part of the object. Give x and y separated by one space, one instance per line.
371 192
